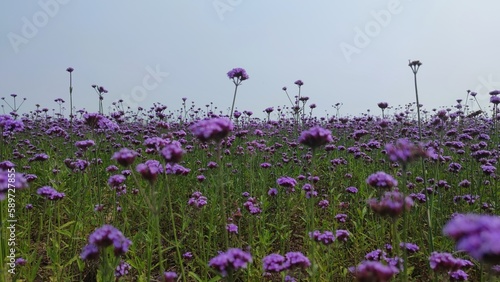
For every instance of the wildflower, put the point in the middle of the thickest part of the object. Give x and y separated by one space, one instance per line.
351 190
122 269
446 262
150 170
341 217
232 228
169 276
50 193
104 237
478 235
116 180
383 105
342 235
299 83
125 157
20 182
21 262
286 181
458 275
272 192
233 259
324 204
197 200
237 74
315 137
391 204
410 248
326 237
381 180
212 129
373 271
404 151
172 152
274 263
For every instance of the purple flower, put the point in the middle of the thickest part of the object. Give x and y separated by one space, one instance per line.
21 262
373 271
478 235
172 152
446 262
299 82
458 275
197 200
20 182
410 247
341 217
70 69
169 276
125 157
342 235
212 129
272 192
274 263
39 157
89 252
324 204
286 181
232 259
232 228
150 170
122 269
50 193
383 105
104 237
315 137
116 180
326 237
238 74
351 190
84 144
391 204
404 151
297 259
381 180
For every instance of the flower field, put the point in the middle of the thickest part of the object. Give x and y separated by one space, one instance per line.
195 195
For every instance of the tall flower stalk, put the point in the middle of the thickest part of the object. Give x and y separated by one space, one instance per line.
238 75
100 91
70 70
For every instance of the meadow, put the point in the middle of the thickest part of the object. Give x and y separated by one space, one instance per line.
193 194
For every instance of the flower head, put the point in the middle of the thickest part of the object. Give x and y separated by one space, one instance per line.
315 137
238 75
125 157
232 259
381 180
212 129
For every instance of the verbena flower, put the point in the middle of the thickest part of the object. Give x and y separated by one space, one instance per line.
447 262
172 152
315 137
381 180
391 204
233 259
197 200
50 193
122 269
19 182
232 228
170 276
478 235
104 237
125 157
373 271
212 129
150 170
238 74
325 237
404 151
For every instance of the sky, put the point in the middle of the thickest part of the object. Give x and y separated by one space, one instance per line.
350 52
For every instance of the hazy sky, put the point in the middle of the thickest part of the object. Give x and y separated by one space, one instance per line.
353 52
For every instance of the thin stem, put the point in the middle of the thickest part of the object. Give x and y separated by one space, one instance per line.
234 99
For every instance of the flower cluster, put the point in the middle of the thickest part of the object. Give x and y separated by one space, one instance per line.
478 235
102 238
50 193
373 271
278 263
315 137
391 204
197 200
233 259
382 180
212 129
404 151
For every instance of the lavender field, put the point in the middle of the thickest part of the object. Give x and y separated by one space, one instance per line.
186 192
